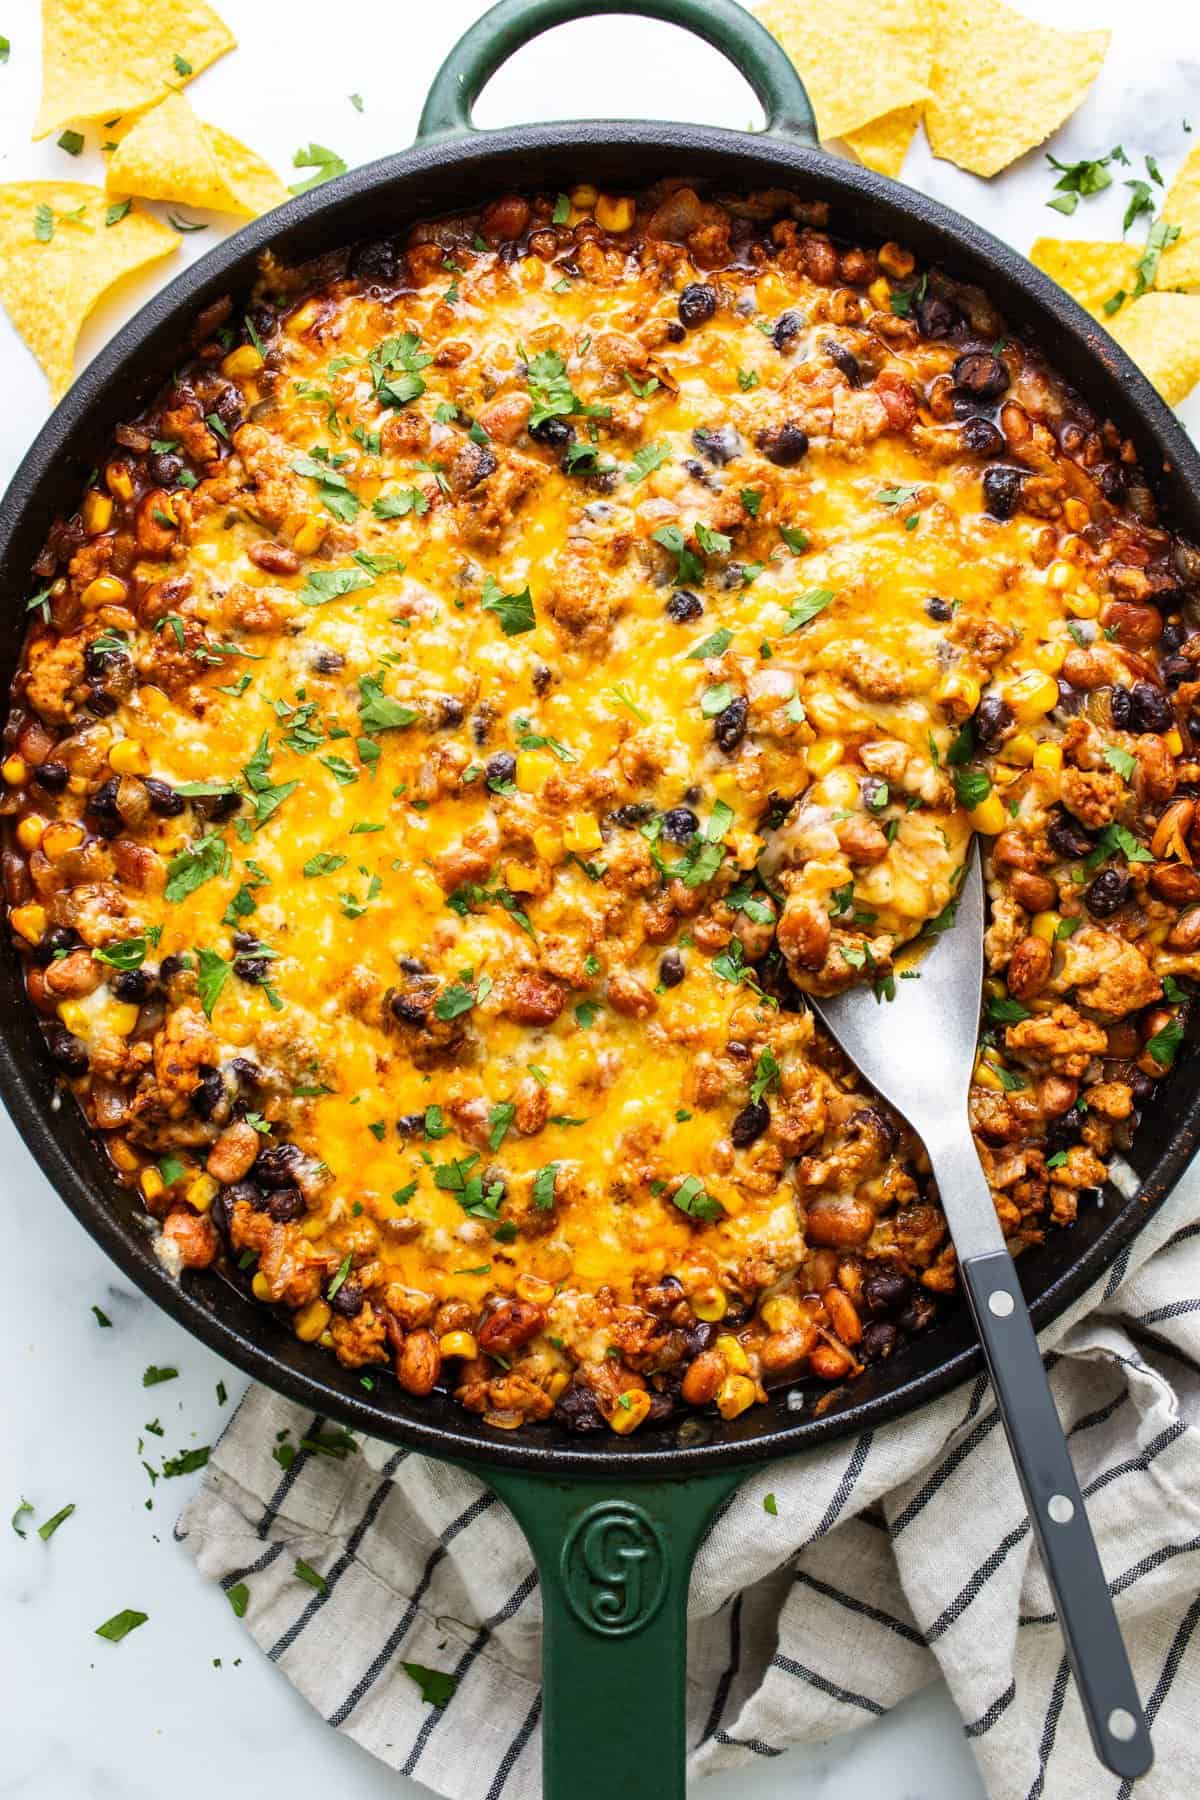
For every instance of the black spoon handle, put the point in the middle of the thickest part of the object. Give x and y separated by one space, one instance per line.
1056 1510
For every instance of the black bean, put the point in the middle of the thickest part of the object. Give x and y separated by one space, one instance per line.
67 1053
53 776
1112 483
680 824
102 805
675 332
285 1205
885 1291
245 940
750 1123
451 712
684 605
411 1124
630 816
1173 636
227 405
1151 709
252 969
719 445
501 769
1168 599
1174 670
1108 893
697 304
410 1009
482 721
170 966
878 1341
474 464
993 721
58 938
163 468
412 965
729 727
700 1337
553 431
981 374
133 984
1120 707
348 1301
1141 1084
375 262
163 799
981 438
784 445
936 316
1002 490
327 662
209 1093
1067 837
217 806
874 792
577 1410
278 1166
918 1315
542 677
941 610
844 360
245 1072
100 703
786 326
671 970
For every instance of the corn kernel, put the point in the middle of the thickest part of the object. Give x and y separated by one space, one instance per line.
310 1321
1045 925
990 817
16 770
60 838
1020 749
710 1305
1031 696
128 758
123 1154
1173 741
260 1287
780 1312
733 1354
119 481
425 885
96 512
960 688
152 1184
894 259
309 537
824 755
1060 575
121 1017
735 1394
584 196
880 294
305 316
312 1229
242 362
1050 656
75 1017
202 1192
558 1383
1083 605
614 215
534 1289
1076 514
459 1343
582 833
986 1076
106 590
534 769
521 880
29 921
548 844
29 831
839 789
631 1408
1048 756
152 700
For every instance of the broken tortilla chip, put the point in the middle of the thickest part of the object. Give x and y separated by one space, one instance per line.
1161 332
170 154
102 58
859 63
1091 272
884 143
1001 84
1179 264
61 249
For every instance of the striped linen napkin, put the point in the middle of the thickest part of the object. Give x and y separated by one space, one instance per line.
888 1560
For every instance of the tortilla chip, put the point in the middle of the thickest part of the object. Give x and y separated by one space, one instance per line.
1091 272
884 143
1162 334
101 58
1179 266
170 154
50 284
1002 84
858 62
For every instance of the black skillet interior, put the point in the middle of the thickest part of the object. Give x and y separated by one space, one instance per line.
382 199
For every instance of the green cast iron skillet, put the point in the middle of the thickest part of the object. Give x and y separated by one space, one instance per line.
613 1522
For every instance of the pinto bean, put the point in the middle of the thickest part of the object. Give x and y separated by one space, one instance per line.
532 1000
1185 934
510 1326
504 219
276 559
74 975
840 1224
804 933
1133 625
1012 851
532 1103
234 1153
832 1362
704 1376
506 418
1034 892
843 1315
154 525
1174 883
629 996
1084 670
418 1363
1029 969
784 1351
194 1236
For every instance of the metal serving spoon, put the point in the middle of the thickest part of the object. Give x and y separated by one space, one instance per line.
919 1052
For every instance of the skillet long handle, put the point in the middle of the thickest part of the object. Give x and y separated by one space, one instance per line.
1056 1510
613 1560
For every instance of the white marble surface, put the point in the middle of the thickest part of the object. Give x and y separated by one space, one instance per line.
87 1720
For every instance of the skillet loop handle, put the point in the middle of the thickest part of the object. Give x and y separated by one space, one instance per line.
724 24
613 1559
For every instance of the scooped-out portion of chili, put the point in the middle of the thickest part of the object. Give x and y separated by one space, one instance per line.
507 668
